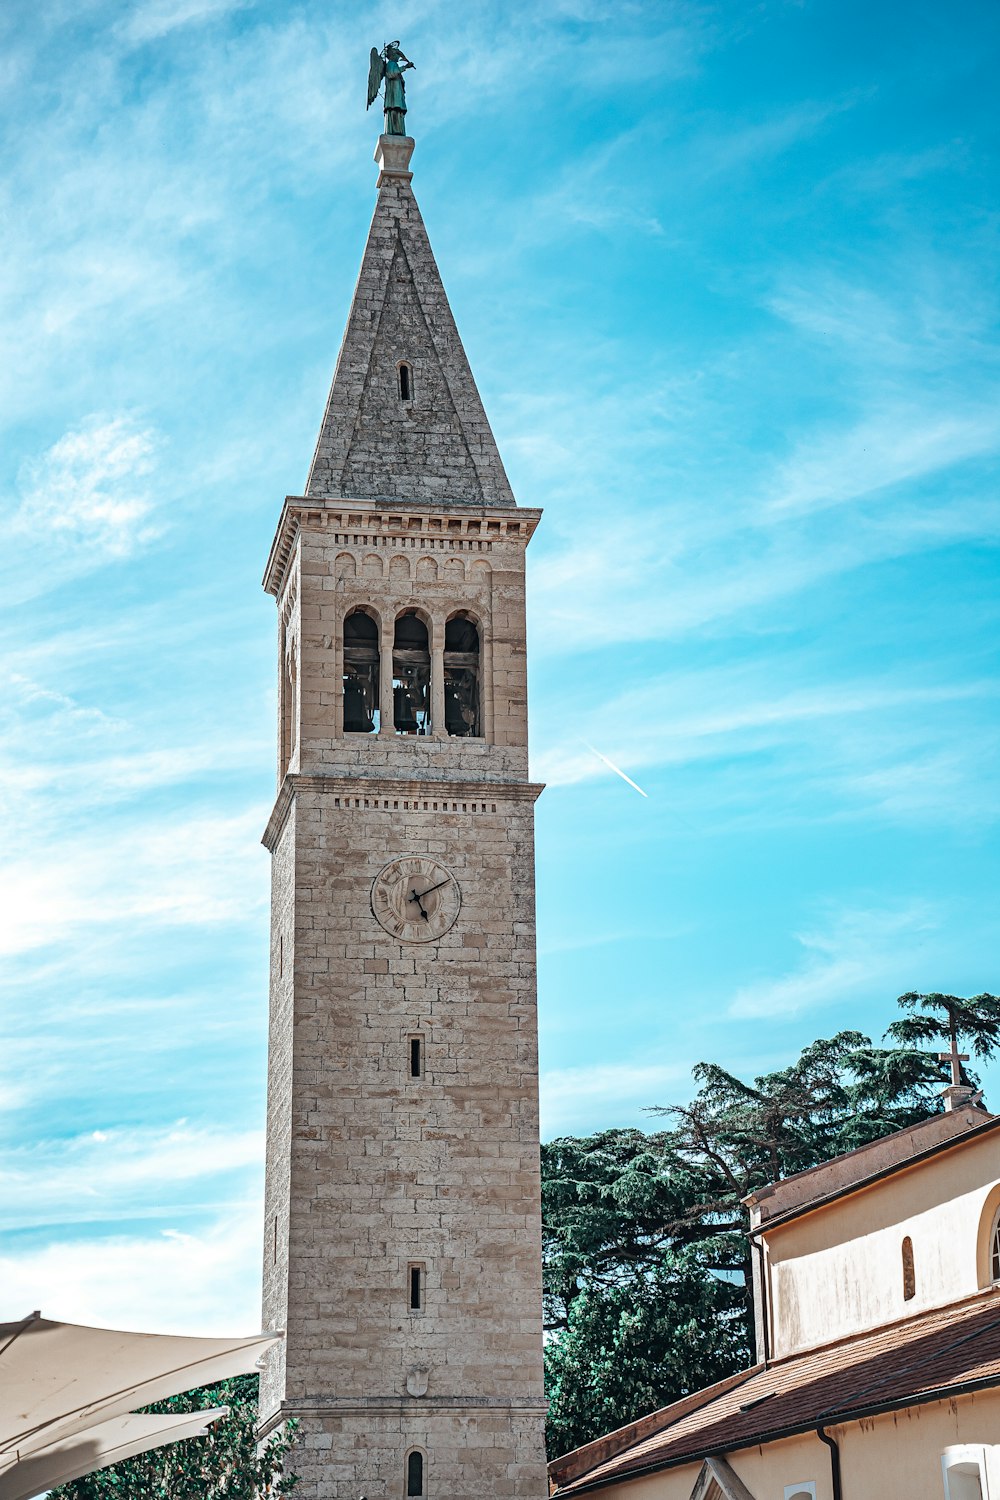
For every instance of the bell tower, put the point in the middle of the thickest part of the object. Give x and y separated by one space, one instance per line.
402 1248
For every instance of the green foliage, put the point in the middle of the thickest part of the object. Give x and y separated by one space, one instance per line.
646 1260
225 1463
949 1018
628 1347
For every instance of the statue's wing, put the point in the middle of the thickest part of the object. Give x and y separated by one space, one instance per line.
376 72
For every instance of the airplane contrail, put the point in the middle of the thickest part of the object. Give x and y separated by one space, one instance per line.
617 770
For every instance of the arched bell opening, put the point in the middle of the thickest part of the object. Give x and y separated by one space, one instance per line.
361 673
462 670
411 675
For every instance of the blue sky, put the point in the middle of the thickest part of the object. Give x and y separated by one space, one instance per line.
728 278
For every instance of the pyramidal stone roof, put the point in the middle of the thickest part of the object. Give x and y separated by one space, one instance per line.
373 444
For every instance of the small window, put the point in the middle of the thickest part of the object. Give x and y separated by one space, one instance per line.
416 1057
289 706
963 1469
415 1278
461 677
411 675
361 674
415 1473
405 382
995 1252
909 1278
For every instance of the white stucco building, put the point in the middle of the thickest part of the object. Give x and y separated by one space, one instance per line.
878 1331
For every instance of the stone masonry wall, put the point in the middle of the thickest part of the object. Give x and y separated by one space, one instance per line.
388 573
441 1170
437 447
279 1112
370 1170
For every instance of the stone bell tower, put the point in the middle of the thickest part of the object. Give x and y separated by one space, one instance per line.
402 1237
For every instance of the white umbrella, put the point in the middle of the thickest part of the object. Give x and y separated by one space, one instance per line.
60 1381
106 1443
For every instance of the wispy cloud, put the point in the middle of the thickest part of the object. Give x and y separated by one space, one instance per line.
864 747
175 1281
578 1099
191 873
89 496
119 1173
859 952
887 448
154 19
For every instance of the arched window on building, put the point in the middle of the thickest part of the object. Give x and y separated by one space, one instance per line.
415 1484
462 694
361 711
405 374
909 1276
995 1250
964 1471
411 675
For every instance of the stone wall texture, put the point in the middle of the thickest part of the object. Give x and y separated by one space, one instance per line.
371 445
370 1170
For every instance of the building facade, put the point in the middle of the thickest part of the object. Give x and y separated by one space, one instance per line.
402 1235
878 1330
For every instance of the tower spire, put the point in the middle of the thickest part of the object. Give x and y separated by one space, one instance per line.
404 418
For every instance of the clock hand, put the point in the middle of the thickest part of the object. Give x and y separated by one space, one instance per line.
415 896
436 887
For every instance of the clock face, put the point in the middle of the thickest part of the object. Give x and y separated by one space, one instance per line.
416 899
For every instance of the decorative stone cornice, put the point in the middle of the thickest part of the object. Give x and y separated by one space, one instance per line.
405 520
438 793
339 1406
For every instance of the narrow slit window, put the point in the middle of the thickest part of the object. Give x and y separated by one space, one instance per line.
416 1057
415 1275
361 674
462 677
411 675
289 707
909 1277
414 1473
405 382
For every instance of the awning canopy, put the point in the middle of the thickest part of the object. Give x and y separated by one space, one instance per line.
61 1382
106 1443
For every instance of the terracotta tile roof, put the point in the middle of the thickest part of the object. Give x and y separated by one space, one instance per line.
899 1365
832 1179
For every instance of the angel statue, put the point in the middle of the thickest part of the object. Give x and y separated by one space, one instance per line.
388 67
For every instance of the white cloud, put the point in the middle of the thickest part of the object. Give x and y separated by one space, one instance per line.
860 952
206 1283
120 1173
587 1098
194 871
89 492
886 448
154 19
733 714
